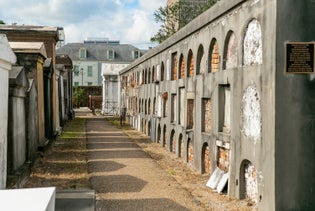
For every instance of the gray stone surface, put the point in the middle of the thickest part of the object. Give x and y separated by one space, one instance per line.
125 177
75 200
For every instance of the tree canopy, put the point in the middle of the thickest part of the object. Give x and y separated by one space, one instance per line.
176 16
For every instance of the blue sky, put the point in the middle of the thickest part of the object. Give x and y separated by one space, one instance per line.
130 21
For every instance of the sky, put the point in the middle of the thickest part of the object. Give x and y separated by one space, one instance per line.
129 21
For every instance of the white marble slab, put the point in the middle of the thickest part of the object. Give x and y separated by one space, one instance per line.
215 178
33 199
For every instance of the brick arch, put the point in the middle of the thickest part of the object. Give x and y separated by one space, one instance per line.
205 159
164 135
153 75
252 44
140 106
200 60
135 108
154 106
145 76
190 64
159 134
230 51
149 76
181 69
143 125
149 128
173 142
142 78
248 181
181 147
214 56
190 152
162 72
145 107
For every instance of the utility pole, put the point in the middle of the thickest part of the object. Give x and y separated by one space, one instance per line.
82 76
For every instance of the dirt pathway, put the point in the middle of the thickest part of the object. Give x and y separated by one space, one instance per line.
126 178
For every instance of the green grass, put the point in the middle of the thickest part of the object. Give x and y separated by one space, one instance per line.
116 122
74 129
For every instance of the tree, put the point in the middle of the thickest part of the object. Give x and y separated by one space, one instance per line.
2 22
176 16
79 97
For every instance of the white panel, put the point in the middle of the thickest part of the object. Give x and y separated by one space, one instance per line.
215 178
223 182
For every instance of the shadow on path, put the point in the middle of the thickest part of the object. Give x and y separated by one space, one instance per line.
125 177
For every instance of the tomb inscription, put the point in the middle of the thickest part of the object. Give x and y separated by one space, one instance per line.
300 57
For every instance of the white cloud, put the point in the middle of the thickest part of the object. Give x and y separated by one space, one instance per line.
130 21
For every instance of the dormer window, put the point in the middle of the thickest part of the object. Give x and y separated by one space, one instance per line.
136 54
110 54
82 53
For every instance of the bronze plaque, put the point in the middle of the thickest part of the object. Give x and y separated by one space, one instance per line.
300 57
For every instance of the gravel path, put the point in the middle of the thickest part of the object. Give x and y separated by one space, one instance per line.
126 178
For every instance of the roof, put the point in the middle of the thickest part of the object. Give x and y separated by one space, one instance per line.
65 60
6 52
29 29
17 77
29 47
98 51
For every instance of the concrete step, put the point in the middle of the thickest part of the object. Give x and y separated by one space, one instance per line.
75 200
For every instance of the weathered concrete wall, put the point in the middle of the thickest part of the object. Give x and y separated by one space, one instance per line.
31 121
49 36
7 58
31 55
295 114
17 149
260 125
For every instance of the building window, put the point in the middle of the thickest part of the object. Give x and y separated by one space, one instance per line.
90 71
76 70
89 83
82 53
76 83
136 54
110 54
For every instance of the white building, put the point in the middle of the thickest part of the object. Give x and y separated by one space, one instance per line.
97 62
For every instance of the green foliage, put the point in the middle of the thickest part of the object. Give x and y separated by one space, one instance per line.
176 16
79 97
75 129
2 22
